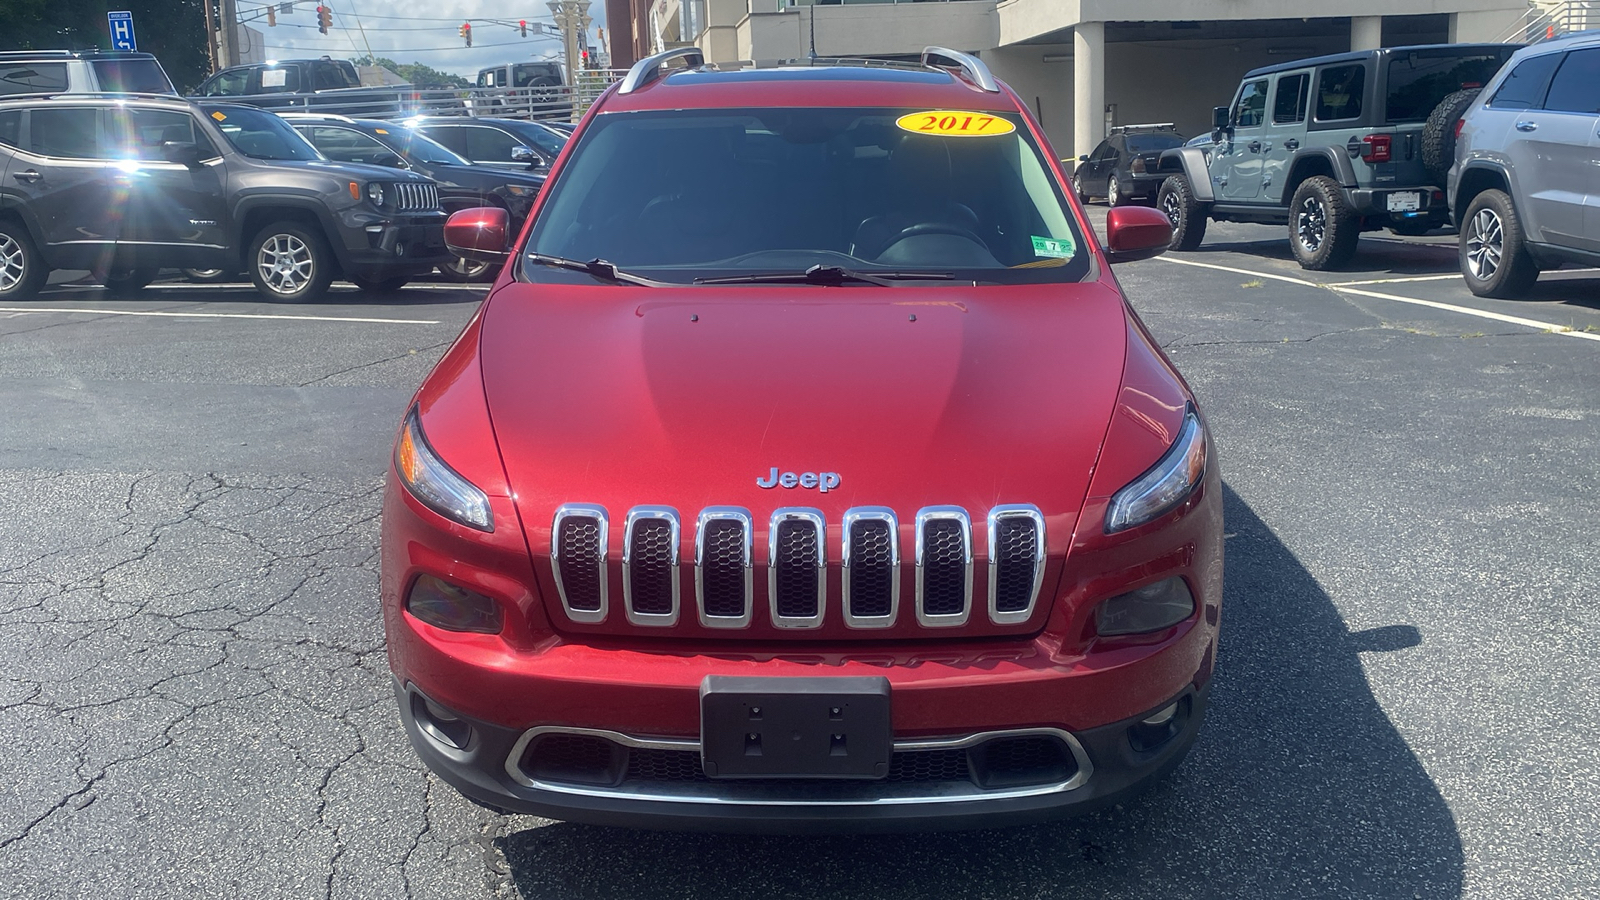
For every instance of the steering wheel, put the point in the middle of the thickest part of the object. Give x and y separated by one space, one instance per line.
935 228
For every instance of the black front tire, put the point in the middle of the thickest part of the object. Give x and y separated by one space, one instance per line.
1077 188
1494 249
1187 215
379 285
1323 228
291 262
22 269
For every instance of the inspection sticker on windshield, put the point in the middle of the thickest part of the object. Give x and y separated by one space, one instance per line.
1057 248
218 116
955 123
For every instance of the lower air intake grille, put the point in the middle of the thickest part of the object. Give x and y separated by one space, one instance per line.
683 766
1014 552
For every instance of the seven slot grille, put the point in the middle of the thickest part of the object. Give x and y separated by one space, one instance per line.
796 563
415 196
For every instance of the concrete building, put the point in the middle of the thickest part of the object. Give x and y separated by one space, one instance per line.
1084 65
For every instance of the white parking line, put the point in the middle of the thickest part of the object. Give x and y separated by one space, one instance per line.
1564 330
1398 280
40 311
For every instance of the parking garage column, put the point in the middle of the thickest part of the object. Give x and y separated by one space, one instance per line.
1366 32
1088 86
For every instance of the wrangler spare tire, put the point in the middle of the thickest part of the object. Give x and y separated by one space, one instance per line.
1439 134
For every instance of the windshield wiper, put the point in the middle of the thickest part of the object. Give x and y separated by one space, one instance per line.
599 268
821 274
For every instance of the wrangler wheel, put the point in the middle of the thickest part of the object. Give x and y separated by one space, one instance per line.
1323 228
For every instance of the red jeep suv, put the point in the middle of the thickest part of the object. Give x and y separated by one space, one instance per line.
805 469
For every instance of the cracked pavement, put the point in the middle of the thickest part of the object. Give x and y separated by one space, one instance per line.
193 676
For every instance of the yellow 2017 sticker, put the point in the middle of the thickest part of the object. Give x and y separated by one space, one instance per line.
219 117
955 123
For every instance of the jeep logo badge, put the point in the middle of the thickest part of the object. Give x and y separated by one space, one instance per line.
822 481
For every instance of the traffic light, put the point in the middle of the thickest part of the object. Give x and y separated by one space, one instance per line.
466 33
272 17
584 64
523 24
324 18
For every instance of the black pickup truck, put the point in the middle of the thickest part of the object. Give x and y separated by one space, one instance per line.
324 85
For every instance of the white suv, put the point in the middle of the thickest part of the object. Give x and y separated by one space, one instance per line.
28 72
1525 187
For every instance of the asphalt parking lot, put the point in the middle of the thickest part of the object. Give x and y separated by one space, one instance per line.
193 682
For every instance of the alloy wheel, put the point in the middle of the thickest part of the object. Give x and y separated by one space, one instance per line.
1485 245
1311 224
11 262
285 263
1113 192
466 269
1170 206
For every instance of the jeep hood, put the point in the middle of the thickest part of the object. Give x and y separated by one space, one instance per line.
914 396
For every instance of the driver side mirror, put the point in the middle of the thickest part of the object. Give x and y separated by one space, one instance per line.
391 161
1136 232
1083 157
184 153
1219 118
523 154
479 233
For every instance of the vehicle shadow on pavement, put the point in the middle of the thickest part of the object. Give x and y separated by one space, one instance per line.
1298 787
1377 256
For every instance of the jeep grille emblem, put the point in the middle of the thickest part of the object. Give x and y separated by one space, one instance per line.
822 481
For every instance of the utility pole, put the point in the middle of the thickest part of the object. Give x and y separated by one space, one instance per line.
572 17
227 34
211 36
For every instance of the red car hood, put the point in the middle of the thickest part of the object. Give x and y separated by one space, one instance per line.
623 396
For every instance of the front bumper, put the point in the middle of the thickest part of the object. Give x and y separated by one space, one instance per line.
665 789
380 247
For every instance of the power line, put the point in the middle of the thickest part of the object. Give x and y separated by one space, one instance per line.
390 51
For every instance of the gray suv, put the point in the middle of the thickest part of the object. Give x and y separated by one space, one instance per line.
1525 187
1331 146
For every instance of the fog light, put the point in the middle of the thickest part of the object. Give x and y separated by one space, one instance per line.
453 608
1150 608
439 723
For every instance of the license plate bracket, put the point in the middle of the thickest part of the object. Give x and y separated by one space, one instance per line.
1405 201
807 727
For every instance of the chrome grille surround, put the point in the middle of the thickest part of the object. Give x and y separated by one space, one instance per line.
855 518
707 517
997 515
931 572
580 511
812 518
644 515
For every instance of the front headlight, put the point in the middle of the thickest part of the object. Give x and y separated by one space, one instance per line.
435 484
375 193
522 190
1166 484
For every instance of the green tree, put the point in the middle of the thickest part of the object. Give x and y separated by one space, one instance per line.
418 74
173 30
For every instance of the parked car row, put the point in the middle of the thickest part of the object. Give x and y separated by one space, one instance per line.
124 185
1502 142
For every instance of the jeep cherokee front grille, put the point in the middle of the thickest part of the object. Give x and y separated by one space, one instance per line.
578 557
944 566
722 567
797 580
797 566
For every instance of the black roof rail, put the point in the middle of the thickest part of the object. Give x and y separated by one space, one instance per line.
649 69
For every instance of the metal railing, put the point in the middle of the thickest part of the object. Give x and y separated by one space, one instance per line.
560 102
1550 19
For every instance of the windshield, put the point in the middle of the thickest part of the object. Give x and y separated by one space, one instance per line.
681 195
1153 143
1419 79
133 76
258 134
418 148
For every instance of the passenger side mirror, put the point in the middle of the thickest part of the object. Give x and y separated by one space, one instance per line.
390 161
523 154
481 233
1136 232
184 153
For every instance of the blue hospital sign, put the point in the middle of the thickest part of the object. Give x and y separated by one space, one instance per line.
122 30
